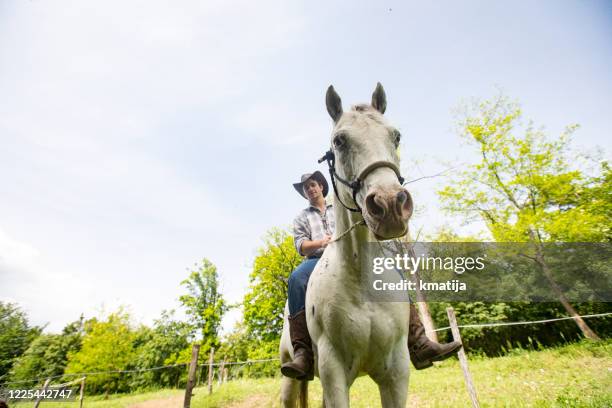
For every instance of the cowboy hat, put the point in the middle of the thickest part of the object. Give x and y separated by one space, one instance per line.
317 176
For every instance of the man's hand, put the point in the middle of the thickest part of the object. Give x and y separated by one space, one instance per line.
309 247
325 241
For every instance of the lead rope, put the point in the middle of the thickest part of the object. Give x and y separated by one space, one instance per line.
339 237
382 250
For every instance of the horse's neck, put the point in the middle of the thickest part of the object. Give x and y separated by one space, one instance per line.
350 243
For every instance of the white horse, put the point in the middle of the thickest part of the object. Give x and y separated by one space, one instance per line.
351 337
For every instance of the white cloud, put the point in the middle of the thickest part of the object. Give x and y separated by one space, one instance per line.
15 254
25 278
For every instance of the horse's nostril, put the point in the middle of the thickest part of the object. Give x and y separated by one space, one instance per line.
405 203
402 196
373 207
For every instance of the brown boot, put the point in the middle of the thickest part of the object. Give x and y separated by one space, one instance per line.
422 350
301 367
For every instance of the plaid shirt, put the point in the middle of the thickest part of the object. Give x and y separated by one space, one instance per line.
311 225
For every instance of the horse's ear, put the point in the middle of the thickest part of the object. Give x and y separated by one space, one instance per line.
379 99
334 104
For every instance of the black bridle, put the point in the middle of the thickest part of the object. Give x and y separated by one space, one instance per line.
356 184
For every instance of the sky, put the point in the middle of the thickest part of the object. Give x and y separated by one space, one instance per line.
138 137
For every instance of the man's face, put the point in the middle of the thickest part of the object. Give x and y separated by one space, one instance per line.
313 190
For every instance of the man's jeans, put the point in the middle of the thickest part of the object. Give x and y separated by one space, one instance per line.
297 285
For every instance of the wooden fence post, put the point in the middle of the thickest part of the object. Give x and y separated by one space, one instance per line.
192 375
221 368
44 388
81 392
462 358
210 369
201 375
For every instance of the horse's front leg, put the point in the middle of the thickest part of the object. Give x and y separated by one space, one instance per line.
333 375
393 383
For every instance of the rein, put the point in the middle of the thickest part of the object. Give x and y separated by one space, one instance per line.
356 184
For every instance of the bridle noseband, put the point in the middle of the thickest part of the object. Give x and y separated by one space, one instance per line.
356 184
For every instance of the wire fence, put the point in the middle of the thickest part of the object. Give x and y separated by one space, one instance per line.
259 361
465 326
87 374
228 363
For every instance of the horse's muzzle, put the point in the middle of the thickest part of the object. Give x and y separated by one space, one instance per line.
388 211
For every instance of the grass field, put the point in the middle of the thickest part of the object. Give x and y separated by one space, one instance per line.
578 375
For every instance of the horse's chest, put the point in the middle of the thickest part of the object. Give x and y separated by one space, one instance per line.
336 308
372 323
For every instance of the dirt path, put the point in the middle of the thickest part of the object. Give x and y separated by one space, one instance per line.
170 402
254 401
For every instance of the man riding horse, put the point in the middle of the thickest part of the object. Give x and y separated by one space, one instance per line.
313 228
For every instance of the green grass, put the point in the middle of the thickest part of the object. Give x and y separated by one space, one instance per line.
113 401
577 375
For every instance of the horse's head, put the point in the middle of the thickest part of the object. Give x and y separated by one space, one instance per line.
364 154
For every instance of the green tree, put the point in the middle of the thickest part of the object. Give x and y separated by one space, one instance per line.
240 345
514 277
265 300
16 334
107 346
204 303
585 214
163 346
34 363
257 336
524 187
235 345
47 355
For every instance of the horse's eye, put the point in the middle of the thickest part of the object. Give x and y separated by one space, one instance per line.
339 140
397 136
